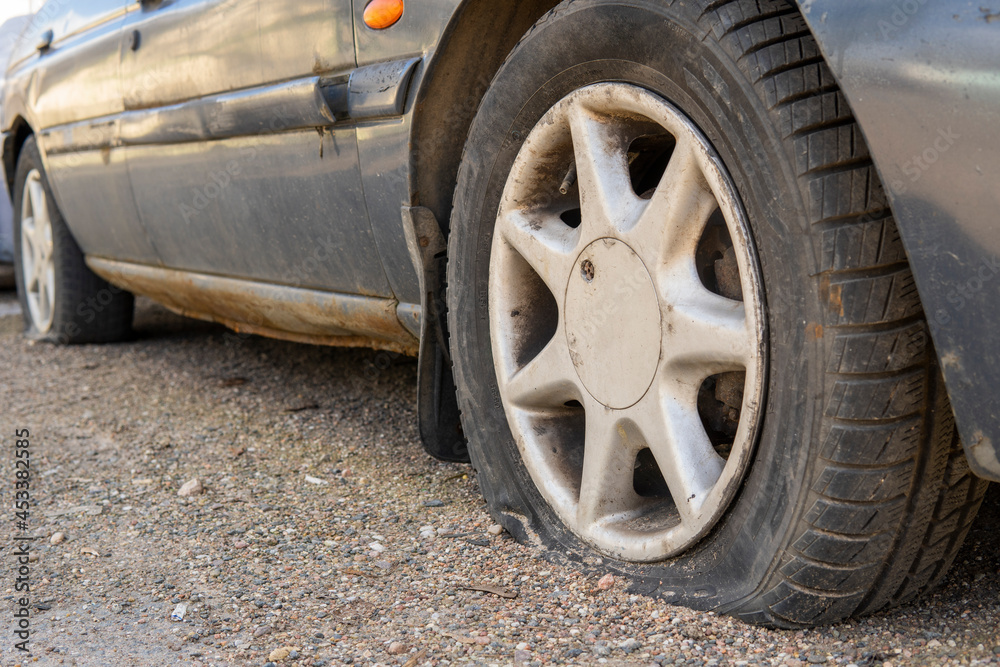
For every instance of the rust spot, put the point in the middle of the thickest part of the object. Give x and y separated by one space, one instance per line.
988 15
298 315
833 295
311 339
319 66
814 331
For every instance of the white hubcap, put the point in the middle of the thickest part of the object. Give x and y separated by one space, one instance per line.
616 331
610 293
37 265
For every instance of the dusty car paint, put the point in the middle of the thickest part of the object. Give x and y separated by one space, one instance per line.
922 80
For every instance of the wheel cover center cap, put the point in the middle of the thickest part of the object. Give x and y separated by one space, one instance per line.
612 319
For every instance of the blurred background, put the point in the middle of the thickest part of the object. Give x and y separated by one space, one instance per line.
12 8
14 16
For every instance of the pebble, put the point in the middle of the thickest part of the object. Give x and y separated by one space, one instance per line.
262 630
629 645
606 582
57 538
434 503
279 654
933 643
395 648
495 529
191 488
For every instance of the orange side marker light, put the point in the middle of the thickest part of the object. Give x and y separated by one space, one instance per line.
380 14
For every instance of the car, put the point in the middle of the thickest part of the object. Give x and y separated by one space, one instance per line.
705 290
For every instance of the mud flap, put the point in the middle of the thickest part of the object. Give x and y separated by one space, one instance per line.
437 401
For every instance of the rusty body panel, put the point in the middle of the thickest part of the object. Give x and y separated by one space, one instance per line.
289 313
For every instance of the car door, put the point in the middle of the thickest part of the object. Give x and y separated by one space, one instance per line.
71 55
241 174
175 52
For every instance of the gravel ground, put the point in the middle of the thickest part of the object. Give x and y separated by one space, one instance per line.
325 536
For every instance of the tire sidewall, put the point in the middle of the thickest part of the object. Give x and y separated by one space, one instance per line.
666 54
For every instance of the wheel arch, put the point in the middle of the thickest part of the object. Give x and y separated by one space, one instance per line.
13 142
476 42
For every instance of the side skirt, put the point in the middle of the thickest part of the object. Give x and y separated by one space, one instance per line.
276 311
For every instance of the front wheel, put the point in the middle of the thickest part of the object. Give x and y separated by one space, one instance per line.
686 338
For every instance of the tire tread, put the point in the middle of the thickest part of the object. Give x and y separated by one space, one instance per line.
891 497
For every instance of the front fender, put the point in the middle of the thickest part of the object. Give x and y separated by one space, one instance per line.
921 77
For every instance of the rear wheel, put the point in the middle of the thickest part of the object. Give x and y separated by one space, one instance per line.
686 338
62 300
